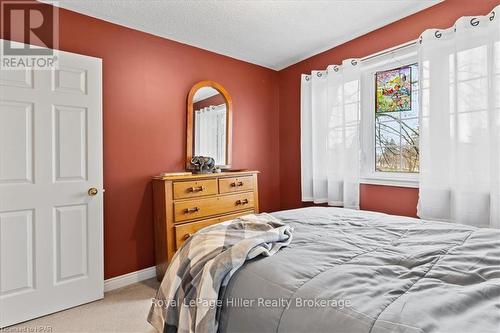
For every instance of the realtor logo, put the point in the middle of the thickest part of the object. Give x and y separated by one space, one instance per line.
31 35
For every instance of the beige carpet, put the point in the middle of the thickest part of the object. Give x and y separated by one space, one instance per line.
121 310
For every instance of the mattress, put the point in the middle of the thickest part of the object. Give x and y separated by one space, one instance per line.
355 271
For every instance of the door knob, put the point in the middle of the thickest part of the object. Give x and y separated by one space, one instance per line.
92 191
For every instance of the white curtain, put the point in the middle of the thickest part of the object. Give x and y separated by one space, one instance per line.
210 133
330 152
460 122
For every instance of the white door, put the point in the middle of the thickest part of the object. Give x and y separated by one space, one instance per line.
51 228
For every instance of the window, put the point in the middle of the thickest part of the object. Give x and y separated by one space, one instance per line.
396 120
390 119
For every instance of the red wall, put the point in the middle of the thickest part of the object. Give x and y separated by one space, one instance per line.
394 200
146 80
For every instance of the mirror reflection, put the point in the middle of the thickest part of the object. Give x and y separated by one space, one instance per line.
210 124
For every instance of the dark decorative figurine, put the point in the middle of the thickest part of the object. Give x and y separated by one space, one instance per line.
203 164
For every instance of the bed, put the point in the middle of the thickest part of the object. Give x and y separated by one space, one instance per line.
338 270
356 271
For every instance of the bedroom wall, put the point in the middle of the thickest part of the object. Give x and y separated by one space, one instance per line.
394 200
146 80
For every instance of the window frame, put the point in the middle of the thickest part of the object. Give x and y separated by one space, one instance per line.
369 175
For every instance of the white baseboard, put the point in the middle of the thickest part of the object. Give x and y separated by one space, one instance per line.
130 278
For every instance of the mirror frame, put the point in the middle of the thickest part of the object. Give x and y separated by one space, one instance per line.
190 121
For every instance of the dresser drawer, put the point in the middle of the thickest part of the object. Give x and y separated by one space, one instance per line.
184 231
199 208
236 184
193 189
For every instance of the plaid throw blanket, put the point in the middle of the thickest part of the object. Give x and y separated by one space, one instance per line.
187 300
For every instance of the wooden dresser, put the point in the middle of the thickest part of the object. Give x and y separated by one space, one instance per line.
185 204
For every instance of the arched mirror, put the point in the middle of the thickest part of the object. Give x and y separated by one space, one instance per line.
209 123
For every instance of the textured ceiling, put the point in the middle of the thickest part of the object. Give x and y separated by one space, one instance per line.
273 34
204 93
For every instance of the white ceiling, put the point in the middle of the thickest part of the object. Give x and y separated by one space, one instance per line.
273 34
204 93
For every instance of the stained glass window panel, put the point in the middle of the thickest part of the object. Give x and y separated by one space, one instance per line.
393 88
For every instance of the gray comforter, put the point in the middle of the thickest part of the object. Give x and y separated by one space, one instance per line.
353 271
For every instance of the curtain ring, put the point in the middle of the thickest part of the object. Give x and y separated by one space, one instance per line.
319 74
336 68
420 40
307 78
354 62
474 22
492 17
438 34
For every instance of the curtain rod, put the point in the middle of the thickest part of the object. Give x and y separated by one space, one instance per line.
386 51
389 50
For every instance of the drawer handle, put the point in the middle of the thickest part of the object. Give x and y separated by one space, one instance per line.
186 236
234 184
242 202
196 189
191 210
